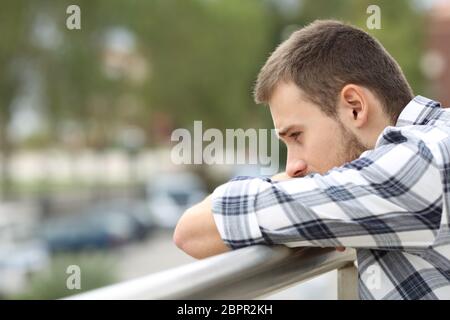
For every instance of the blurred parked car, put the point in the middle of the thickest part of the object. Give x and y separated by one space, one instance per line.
21 254
103 225
134 210
170 194
18 262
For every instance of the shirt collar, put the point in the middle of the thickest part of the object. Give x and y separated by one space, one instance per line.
419 111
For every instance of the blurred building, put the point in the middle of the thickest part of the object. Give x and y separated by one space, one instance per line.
436 60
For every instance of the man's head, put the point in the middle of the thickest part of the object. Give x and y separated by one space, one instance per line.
332 89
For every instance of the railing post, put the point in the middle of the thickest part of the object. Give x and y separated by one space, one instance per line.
347 285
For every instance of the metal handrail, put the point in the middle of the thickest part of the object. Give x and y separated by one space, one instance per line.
247 273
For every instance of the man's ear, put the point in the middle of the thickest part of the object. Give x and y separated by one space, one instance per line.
353 102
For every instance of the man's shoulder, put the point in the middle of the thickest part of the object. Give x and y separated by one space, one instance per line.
431 140
435 131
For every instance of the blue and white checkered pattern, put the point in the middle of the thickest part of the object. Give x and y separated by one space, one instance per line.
391 204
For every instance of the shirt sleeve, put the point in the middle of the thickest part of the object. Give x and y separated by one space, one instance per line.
389 198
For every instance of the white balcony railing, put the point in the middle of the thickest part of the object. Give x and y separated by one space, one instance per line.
249 273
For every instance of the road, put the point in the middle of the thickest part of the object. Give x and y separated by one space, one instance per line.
156 253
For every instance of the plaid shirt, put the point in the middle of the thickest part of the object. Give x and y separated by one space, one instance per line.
391 204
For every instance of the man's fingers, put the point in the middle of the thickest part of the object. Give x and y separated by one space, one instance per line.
340 249
280 177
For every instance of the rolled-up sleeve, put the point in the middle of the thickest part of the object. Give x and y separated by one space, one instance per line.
390 198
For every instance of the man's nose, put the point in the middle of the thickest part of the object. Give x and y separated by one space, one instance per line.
296 168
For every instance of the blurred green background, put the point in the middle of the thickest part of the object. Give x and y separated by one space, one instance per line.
86 115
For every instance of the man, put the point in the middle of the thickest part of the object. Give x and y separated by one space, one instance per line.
368 167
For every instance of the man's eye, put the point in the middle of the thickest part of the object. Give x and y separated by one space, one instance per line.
295 135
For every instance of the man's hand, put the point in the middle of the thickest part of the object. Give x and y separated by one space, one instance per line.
281 177
196 232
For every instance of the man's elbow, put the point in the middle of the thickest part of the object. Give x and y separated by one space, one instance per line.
178 238
184 236
181 233
195 241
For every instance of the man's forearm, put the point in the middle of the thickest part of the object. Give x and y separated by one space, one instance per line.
196 232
